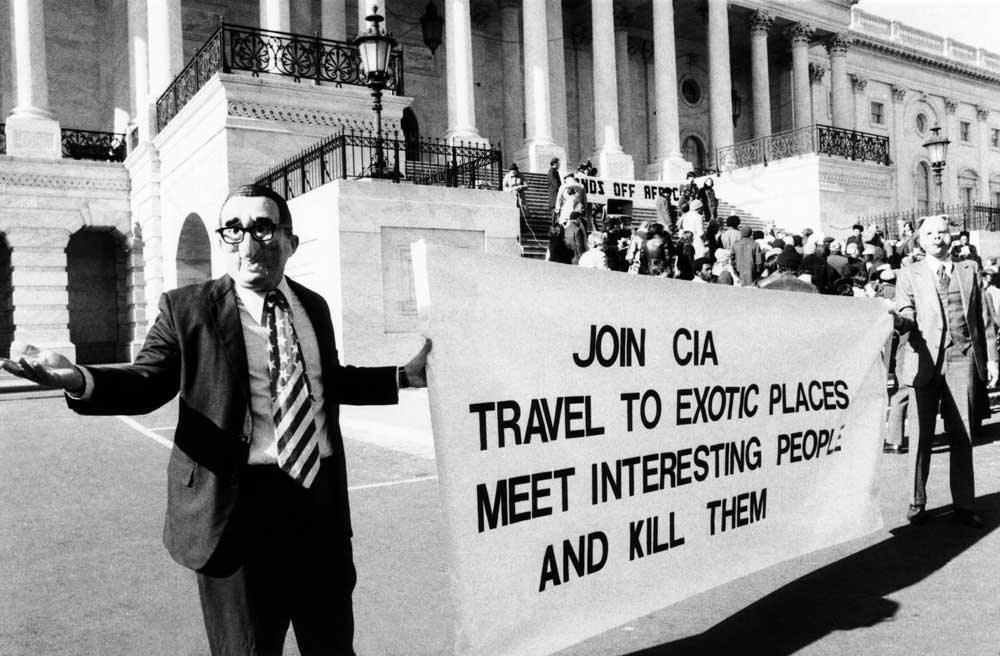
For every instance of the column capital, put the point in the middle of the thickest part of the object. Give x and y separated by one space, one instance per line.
950 105
800 33
859 82
982 113
761 21
898 92
839 44
816 72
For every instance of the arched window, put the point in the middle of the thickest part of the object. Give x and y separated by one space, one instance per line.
694 152
411 134
95 267
922 187
194 252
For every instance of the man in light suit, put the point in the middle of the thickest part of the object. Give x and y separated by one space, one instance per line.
257 498
947 348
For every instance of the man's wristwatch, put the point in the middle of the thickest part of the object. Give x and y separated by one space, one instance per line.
402 380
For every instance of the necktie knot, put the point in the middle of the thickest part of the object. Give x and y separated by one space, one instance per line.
943 276
275 298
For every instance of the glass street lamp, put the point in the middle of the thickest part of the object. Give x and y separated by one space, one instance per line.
375 47
937 153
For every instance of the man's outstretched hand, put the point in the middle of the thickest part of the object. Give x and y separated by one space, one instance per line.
416 369
44 367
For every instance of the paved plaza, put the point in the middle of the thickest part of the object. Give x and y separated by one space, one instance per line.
83 571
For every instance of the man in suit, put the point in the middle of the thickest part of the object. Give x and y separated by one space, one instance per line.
257 498
946 349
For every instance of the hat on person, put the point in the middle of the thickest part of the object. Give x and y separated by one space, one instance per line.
700 262
828 240
772 252
778 243
695 204
745 231
722 254
836 246
789 258
851 249
513 166
887 275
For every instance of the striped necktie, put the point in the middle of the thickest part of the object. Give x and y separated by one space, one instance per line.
294 418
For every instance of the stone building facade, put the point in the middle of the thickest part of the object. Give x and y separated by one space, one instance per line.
644 89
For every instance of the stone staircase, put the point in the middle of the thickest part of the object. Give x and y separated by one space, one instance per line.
534 242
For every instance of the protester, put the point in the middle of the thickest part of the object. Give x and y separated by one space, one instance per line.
693 222
558 251
595 257
575 236
963 250
572 198
257 507
514 182
723 268
786 277
732 232
554 182
686 256
703 270
948 347
748 260
708 200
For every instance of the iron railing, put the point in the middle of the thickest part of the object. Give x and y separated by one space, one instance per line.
354 155
253 50
822 139
89 144
961 216
3 139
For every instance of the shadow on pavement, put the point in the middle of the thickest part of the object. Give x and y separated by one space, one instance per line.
844 595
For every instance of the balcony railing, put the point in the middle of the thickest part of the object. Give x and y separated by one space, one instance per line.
962 216
88 144
252 50
821 139
354 155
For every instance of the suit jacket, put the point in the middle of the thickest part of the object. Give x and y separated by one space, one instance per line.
925 326
196 348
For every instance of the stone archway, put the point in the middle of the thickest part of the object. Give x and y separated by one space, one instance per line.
694 152
922 187
194 252
96 284
6 299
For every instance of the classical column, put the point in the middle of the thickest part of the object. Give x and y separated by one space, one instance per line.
949 177
275 15
39 287
166 51
558 114
760 23
799 35
138 65
903 200
623 76
333 23
538 147
669 164
608 156
31 129
839 83
820 109
858 84
983 116
513 82
458 61
720 86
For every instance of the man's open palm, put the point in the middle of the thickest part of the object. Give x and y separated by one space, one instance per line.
44 367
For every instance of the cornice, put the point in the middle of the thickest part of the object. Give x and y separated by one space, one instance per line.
862 40
70 181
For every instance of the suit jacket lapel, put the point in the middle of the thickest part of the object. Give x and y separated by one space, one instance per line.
319 317
226 322
965 282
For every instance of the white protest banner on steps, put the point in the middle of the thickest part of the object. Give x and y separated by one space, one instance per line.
641 193
601 456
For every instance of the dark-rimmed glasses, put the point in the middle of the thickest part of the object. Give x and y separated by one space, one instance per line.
261 231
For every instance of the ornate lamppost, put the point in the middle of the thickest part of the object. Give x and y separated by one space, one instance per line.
937 152
375 47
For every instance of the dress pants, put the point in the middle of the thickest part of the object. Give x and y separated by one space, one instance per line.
953 390
282 560
899 417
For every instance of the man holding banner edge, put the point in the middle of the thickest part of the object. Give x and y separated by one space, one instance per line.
939 308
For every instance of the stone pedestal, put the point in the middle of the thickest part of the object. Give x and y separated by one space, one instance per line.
39 284
672 168
534 155
33 135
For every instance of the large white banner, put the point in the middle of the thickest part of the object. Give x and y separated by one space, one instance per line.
610 444
641 193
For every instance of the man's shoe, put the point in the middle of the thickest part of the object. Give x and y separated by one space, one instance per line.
968 517
916 514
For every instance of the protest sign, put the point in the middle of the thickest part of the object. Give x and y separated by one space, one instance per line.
641 193
610 444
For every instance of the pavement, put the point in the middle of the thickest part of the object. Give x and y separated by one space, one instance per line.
82 569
